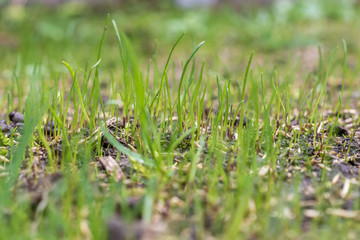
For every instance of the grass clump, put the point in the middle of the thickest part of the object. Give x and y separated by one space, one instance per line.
123 148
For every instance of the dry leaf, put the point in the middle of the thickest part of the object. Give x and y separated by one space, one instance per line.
311 213
345 189
112 167
264 170
335 179
4 159
343 213
85 229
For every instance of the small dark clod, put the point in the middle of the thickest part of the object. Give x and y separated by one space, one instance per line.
50 129
19 126
116 229
16 117
237 121
4 127
340 131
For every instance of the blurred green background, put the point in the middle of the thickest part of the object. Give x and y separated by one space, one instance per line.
284 34
71 29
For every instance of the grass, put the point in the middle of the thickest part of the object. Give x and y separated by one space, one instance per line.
250 135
